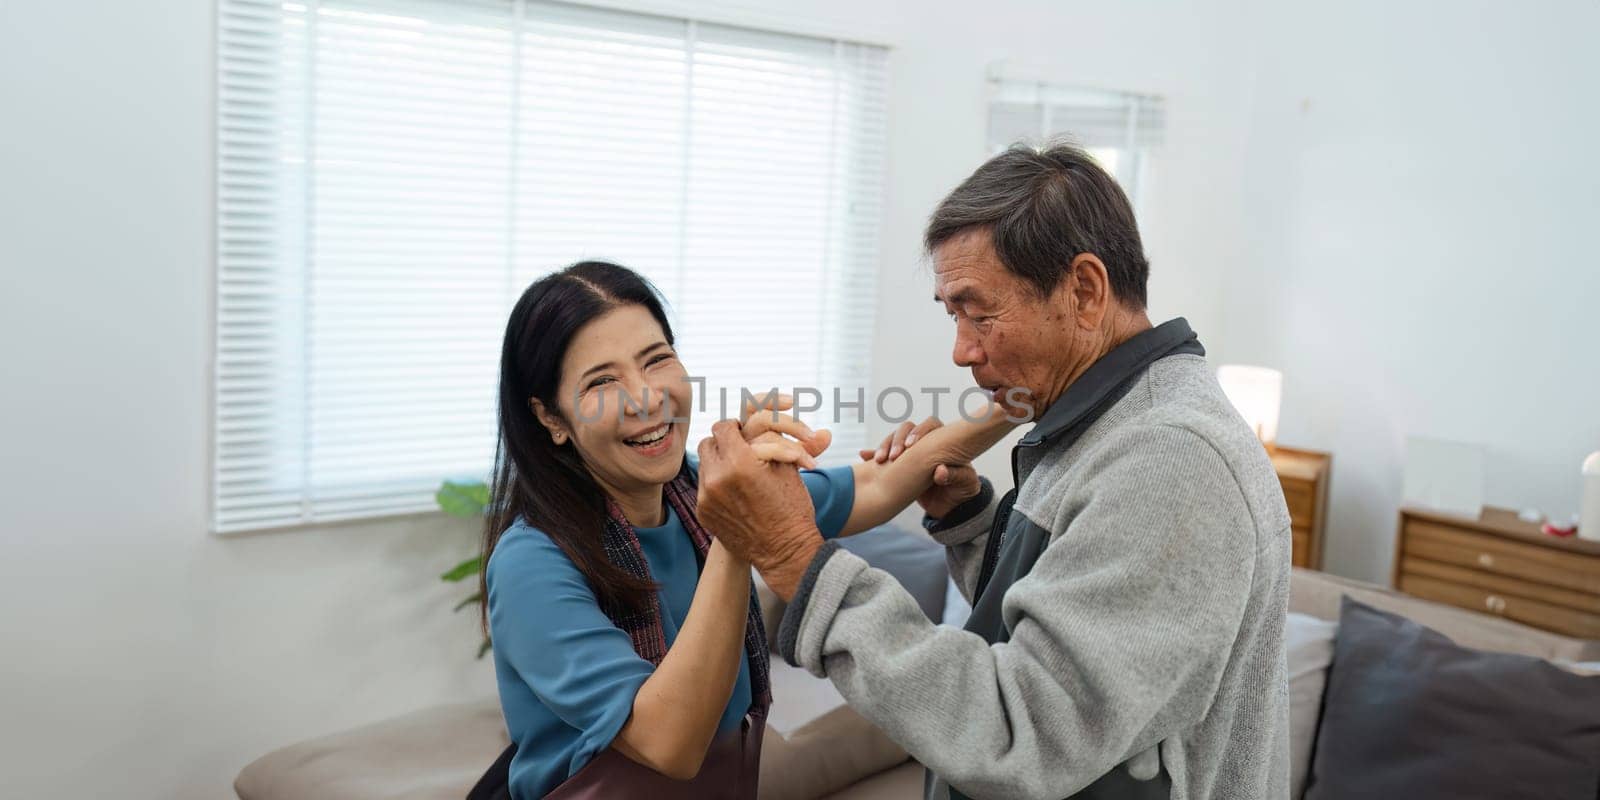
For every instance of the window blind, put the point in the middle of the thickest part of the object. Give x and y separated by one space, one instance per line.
392 174
1119 129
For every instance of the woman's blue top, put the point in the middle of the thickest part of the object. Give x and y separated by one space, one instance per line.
567 676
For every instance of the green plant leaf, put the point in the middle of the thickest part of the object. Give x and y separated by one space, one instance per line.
483 649
463 499
464 570
470 601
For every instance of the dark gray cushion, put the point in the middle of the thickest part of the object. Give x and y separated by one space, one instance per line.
914 560
1408 713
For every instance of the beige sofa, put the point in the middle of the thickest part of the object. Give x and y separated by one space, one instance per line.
816 746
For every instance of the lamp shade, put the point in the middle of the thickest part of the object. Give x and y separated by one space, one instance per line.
1257 392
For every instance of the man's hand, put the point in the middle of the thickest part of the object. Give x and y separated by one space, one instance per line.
953 484
759 510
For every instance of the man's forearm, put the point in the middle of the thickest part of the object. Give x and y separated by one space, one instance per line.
785 566
993 721
1110 651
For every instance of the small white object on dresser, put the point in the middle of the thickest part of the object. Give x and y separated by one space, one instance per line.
1589 521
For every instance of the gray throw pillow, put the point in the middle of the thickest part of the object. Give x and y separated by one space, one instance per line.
1408 713
914 560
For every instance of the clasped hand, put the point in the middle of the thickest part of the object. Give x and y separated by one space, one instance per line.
751 497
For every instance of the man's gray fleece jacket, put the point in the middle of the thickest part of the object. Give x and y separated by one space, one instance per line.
1129 603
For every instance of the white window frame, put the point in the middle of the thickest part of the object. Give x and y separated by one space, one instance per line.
265 270
1122 129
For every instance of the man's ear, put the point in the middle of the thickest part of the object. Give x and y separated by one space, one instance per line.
1090 286
550 420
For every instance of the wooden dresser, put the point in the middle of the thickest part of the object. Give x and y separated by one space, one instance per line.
1304 475
1500 565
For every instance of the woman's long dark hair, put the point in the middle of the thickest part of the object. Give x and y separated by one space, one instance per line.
534 478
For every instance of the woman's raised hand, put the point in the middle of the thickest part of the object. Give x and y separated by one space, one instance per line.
779 437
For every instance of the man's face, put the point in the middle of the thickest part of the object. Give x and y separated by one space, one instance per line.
1008 335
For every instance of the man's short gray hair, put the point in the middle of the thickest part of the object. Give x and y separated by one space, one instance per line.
1043 207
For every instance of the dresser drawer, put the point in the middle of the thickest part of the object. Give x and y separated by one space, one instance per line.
1502 585
1528 612
1479 551
1301 497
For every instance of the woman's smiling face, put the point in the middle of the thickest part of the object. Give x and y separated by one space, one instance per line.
624 401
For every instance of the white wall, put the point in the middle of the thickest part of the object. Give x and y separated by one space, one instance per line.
1184 52
144 658
1423 195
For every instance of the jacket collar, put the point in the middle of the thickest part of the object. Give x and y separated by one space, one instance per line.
1108 379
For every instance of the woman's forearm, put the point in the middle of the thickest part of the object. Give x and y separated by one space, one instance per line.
884 490
676 711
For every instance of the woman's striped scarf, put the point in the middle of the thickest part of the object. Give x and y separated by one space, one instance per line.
649 638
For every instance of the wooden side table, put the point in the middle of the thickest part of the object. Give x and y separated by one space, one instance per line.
1500 565
1304 475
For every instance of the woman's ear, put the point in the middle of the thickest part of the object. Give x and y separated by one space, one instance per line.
551 421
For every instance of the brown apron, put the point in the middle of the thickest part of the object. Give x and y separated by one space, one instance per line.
730 772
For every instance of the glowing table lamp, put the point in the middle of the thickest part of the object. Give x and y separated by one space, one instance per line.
1256 392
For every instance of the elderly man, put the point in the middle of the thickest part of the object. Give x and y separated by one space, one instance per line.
1129 596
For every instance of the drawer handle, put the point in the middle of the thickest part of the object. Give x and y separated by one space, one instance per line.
1495 604
1485 560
